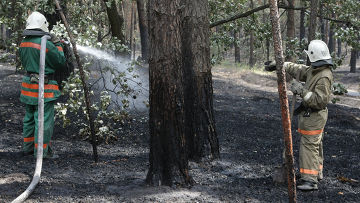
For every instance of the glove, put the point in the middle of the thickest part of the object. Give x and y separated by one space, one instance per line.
270 66
54 38
296 87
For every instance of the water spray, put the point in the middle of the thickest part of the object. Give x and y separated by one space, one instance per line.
39 154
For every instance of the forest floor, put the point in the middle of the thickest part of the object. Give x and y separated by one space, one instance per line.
248 123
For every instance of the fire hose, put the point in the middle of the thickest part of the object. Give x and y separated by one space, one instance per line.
39 154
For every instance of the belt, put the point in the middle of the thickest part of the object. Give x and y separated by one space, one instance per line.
307 110
48 77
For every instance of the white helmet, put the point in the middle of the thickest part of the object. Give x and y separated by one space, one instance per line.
37 21
317 51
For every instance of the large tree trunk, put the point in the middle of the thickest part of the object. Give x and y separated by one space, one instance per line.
168 150
200 122
116 20
237 35
290 31
353 60
144 35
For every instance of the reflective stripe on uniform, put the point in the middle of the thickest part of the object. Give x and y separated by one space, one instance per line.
29 139
310 132
36 86
35 94
31 45
59 48
308 171
44 145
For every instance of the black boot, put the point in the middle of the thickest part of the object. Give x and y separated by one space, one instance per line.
307 186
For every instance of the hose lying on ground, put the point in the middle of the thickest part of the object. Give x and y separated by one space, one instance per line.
39 155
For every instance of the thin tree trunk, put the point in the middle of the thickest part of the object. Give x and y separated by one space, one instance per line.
237 35
353 60
302 24
144 35
200 121
313 16
331 44
252 41
131 28
134 31
290 31
339 44
285 114
314 4
322 22
116 20
168 151
326 30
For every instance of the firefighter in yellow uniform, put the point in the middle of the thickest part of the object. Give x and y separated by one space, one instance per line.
312 112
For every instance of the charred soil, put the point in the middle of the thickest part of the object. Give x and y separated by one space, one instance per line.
249 128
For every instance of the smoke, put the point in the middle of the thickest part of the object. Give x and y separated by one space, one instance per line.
139 84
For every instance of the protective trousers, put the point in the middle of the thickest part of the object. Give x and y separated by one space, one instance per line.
311 156
30 128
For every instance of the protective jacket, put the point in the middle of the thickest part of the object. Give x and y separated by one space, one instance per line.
316 95
30 55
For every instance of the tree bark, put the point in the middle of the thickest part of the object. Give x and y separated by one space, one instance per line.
168 151
331 43
322 22
290 31
339 44
251 41
285 114
353 60
237 38
302 24
314 4
144 35
326 30
116 20
200 121
133 28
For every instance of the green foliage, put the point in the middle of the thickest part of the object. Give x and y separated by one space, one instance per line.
339 89
346 11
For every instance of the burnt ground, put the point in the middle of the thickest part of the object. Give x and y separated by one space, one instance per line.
250 134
